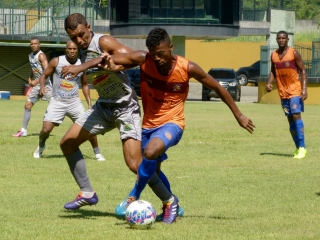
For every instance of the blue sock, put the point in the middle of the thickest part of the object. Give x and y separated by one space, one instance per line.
146 169
300 133
165 180
294 133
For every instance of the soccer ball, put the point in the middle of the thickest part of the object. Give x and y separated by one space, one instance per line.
140 214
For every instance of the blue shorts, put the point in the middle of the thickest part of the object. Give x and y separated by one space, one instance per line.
169 133
292 105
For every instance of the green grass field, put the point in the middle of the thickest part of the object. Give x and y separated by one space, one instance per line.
231 184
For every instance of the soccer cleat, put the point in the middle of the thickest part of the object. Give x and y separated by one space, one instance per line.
20 134
296 153
100 157
81 201
180 214
38 152
122 207
301 153
170 210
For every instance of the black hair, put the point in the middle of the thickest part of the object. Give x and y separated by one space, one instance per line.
283 32
157 36
35 38
72 21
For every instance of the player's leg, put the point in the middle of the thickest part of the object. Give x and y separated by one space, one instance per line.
296 123
293 108
87 125
75 110
94 143
26 117
43 136
69 144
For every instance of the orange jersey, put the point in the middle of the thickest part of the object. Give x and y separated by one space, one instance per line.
287 74
163 97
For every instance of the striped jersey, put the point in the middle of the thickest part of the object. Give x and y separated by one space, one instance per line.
287 74
112 87
163 97
65 88
36 65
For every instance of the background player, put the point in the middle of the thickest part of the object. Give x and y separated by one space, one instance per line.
286 65
65 99
38 61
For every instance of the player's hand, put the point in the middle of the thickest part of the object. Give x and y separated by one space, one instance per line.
246 123
304 95
269 87
43 91
108 64
70 71
32 83
89 106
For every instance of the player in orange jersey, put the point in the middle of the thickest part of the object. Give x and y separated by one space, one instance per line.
164 89
286 67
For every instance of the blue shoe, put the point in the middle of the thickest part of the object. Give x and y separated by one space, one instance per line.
170 211
180 214
122 207
81 201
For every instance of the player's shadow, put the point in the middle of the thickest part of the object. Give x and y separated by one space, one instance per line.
318 194
48 157
277 154
86 214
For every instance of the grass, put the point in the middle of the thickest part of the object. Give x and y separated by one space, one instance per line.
232 185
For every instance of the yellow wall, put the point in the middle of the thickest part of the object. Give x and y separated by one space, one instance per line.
222 54
273 96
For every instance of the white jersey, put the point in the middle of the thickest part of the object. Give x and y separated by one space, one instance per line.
36 65
112 87
65 88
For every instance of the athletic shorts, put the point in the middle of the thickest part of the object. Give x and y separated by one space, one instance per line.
292 105
169 133
35 96
57 110
103 117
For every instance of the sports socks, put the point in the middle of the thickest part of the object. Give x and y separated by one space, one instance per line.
165 181
26 118
297 133
145 171
96 150
77 167
159 188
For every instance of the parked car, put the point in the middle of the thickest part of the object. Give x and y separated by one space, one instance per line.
134 75
249 74
227 78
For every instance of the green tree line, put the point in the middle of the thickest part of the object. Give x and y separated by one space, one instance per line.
304 9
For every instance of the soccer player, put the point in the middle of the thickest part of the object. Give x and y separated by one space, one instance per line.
117 107
286 66
164 89
65 99
38 62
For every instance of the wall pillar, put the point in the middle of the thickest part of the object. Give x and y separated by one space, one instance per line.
179 45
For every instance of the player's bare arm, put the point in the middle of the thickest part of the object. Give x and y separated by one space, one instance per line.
198 73
303 74
86 90
126 60
46 73
271 77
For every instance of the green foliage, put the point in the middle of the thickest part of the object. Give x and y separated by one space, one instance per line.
231 184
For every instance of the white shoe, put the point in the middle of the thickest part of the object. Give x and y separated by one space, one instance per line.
38 152
21 134
100 157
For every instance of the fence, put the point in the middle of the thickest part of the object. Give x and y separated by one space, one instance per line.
46 19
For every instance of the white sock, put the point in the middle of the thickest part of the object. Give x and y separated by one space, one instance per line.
23 130
87 194
170 200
